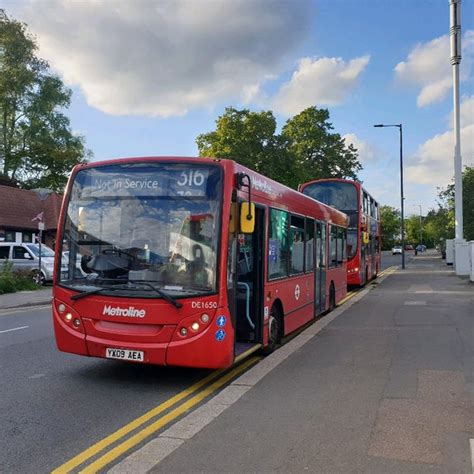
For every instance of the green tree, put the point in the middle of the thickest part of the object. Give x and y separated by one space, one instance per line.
37 146
306 149
414 231
390 223
317 150
241 135
447 203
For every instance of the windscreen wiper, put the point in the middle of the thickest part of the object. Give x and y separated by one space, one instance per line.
163 294
83 294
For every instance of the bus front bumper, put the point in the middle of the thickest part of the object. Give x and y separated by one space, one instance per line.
211 348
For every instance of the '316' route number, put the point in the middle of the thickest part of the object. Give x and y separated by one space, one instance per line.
191 178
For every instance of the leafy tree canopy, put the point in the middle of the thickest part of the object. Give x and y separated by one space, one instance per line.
37 146
306 149
319 152
390 221
446 203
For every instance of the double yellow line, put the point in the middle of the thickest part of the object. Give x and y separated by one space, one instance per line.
223 378
352 293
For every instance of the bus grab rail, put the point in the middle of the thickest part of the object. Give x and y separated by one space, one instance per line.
247 301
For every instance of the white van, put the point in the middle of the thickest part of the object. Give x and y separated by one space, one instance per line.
25 258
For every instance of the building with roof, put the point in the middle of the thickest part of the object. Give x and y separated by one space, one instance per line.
21 210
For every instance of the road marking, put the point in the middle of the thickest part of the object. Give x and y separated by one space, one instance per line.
112 438
14 329
352 293
36 376
137 438
248 352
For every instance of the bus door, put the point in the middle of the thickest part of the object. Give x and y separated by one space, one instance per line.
249 282
320 268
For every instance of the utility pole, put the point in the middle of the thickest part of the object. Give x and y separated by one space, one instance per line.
455 36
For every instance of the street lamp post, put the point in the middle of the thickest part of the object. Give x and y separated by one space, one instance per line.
402 199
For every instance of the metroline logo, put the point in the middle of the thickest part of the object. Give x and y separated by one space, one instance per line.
129 312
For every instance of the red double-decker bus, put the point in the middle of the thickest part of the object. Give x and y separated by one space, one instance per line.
364 232
190 261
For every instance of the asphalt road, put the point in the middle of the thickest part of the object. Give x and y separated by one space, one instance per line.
388 259
55 405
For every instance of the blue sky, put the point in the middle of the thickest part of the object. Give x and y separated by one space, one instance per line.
149 76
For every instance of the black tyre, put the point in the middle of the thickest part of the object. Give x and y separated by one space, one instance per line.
332 297
275 329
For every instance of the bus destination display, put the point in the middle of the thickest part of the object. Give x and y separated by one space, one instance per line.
192 182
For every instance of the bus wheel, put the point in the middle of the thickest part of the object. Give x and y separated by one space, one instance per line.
332 297
274 330
366 275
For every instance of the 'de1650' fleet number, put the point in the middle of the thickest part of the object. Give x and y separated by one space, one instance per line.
204 305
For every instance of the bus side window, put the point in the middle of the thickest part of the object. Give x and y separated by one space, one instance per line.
296 244
324 252
332 246
278 244
309 245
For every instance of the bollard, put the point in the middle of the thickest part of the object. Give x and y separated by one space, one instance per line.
462 257
449 251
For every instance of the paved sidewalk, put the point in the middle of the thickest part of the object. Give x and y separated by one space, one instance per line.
386 387
26 298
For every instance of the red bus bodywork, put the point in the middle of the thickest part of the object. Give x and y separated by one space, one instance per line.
90 325
363 263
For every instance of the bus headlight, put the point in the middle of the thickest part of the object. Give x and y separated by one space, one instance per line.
68 315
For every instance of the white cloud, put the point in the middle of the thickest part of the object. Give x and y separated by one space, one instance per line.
365 150
433 162
428 66
163 57
323 81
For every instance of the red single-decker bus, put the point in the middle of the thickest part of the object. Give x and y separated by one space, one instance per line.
190 261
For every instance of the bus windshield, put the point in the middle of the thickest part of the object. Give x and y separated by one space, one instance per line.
136 228
342 196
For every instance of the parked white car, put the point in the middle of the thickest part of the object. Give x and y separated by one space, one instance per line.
25 258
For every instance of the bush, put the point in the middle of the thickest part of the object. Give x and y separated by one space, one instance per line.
11 282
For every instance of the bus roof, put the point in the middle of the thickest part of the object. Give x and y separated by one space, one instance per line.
354 182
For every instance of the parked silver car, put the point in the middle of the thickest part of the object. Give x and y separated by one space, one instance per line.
25 258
